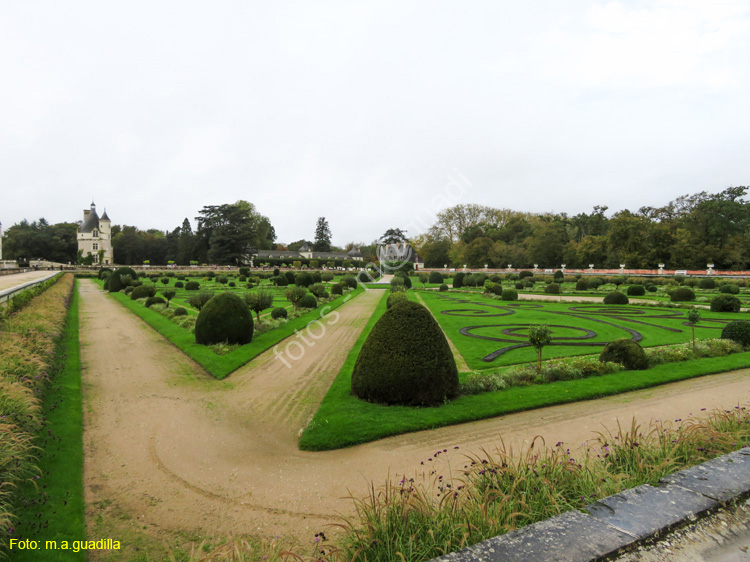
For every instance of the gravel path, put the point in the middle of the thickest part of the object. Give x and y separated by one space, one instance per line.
178 451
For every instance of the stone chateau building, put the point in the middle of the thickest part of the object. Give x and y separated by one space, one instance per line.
95 236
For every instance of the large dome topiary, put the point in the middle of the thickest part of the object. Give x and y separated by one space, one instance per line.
616 297
626 352
738 331
682 294
725 303
224 318
405 360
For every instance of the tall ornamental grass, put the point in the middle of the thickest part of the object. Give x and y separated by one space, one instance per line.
29 330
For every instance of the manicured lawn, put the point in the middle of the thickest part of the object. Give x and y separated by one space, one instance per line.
54 501
343 420
222 365
491 333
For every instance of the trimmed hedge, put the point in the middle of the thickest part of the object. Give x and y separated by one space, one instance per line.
616 297
682 294
509 295
552 289
626 352
725 303
729 288
143 292
738 331
405 360
636 290
279 312
308 301
436 277
224 318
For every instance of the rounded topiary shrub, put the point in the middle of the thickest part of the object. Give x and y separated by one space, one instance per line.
129 290
180 311
436 277
509 295
303 279
104 272
525 274
582 284
626 352
458 280
651 288
113 283
337 289
682 294
279 312
738 331
151 301
224 318
730 288
443 288
707 283
179 284
127 271
192 286
552 289
636 290
616 297
308 301
405 360
725 303
350 281
143 292
395 298
232 284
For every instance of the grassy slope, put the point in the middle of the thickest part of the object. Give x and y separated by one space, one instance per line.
342 420
221 365
61 516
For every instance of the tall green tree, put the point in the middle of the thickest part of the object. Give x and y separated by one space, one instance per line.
185 244
322 236
226 232
41 240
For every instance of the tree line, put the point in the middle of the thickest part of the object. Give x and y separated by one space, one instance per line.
686 233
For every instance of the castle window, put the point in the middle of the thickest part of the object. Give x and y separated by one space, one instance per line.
95 233
96 246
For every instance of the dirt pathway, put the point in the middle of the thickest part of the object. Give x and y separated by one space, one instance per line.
175 451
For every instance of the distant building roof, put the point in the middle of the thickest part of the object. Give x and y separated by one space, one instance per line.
304 248
354 253
92 220
104 216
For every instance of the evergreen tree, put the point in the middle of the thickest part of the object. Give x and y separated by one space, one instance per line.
322 236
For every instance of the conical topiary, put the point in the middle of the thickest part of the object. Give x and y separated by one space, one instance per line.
224 318
406 360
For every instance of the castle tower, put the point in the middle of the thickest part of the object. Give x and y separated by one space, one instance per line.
95 237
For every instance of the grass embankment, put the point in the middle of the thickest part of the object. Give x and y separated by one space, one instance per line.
40 429
343 420
222 365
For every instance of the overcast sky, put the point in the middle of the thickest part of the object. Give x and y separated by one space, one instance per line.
365 112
